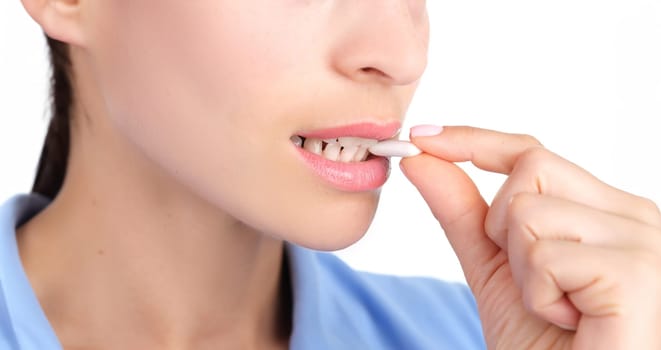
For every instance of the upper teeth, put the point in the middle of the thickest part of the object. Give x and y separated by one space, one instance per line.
343 149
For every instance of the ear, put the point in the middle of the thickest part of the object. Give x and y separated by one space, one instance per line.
60 19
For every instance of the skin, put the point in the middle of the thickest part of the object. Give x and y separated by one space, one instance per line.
560 260
161 208
183 182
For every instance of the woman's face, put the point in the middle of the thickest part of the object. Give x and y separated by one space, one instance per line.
214 90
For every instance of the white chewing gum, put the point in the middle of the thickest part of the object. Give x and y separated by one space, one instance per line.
394 148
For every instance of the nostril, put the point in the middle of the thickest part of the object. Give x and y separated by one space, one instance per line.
372 70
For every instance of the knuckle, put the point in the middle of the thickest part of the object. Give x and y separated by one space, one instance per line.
519 207
649 205
534 164
522 200
650 211
530 140
534 155
538 257
534 158
522 216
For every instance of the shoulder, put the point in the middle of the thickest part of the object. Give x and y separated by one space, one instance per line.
22 322
387 312
19 208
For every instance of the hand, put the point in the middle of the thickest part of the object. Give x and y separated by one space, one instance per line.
560 260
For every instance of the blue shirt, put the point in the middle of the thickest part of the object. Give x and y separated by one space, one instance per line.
335 307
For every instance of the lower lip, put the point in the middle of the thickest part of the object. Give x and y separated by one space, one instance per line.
352 177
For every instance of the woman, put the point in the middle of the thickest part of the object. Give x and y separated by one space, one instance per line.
181 158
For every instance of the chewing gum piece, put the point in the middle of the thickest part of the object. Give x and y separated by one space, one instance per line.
394 148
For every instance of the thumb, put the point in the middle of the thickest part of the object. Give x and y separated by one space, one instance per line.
457 204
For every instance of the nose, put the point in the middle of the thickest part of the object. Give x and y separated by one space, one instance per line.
383 41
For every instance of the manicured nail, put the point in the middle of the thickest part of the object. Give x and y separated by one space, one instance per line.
425 130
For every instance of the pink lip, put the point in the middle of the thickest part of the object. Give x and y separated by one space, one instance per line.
352 177
365 130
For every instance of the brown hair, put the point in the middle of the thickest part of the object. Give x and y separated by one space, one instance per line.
55 151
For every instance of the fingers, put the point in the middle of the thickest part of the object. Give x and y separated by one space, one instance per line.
487 149
537 217
541 171
594 290
573 261
458 206
584 254
558 277
532 169
533 218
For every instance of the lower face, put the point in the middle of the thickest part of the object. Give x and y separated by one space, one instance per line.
218 92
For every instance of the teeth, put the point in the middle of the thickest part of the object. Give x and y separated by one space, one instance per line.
313 146
356 141
332 151
341 149
352 141
361 155
297 140
348 153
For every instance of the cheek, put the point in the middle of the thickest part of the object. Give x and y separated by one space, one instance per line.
219 64
203 91
177 78
164 60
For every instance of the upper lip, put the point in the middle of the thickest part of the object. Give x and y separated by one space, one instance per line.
368 130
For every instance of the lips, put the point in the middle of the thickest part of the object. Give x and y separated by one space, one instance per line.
364 130
355 176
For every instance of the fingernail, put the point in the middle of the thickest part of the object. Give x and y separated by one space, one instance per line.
425 130
566 327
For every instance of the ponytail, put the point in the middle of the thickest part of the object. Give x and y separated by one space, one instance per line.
55 152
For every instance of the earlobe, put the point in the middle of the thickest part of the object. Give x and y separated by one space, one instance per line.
59 19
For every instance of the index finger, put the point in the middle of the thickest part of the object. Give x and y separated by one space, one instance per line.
530 168
487 149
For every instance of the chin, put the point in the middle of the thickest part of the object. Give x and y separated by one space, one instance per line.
331 239
334 229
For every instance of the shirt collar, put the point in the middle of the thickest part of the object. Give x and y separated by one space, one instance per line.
32 329
30 325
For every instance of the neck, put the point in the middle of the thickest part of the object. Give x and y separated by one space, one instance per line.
127 253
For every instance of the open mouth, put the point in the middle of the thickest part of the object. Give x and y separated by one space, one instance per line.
348 157
341 149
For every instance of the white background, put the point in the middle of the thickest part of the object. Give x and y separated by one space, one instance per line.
583 76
